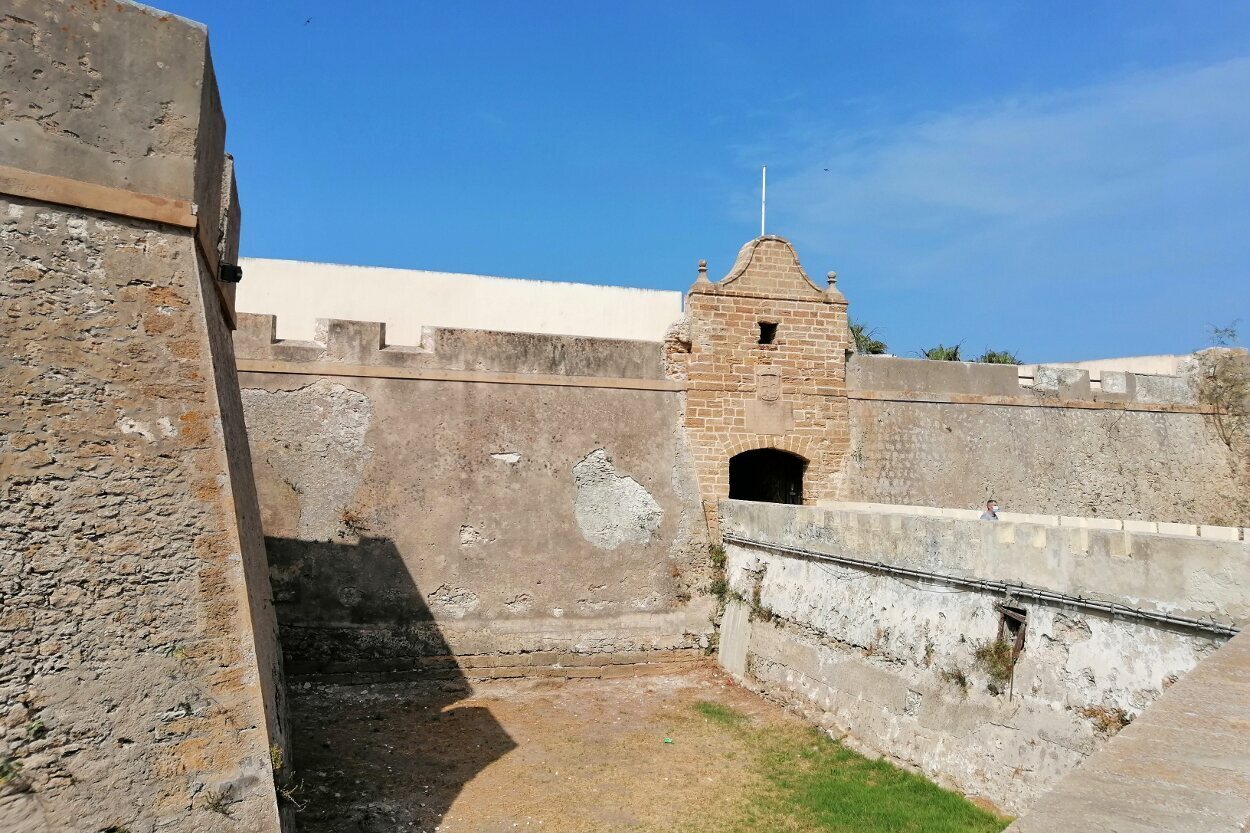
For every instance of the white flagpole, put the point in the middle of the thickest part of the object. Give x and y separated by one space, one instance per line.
763 196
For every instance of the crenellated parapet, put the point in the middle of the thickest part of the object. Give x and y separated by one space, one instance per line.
363 344
880 376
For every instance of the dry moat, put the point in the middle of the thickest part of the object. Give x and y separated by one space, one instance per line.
690 751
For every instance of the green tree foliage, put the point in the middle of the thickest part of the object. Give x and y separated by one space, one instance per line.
866 340
942 353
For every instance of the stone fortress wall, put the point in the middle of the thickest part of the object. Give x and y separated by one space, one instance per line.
488 503
899 451
140 676
954 434
471 448
1044 439
515 500
865 647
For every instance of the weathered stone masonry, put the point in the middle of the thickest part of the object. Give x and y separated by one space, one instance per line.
479 503
891 660
741 394
504 504
139 669
954 434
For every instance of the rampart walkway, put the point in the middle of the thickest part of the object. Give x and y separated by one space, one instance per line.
1182 767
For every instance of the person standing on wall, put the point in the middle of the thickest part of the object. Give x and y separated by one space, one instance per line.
991 510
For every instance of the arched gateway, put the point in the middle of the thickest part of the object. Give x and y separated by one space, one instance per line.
767 475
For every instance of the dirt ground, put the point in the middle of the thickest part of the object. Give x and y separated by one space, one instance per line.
575 756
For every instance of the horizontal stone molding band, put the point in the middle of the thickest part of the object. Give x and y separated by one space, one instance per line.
1026 402
438 375
511 672
763 296
489 666
810 389
1017 591
74 193
15 182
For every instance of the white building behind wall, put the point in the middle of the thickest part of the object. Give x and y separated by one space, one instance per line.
406 300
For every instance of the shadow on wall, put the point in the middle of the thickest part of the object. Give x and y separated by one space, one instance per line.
382 757
349 611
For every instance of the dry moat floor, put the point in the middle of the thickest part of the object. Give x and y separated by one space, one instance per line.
690 752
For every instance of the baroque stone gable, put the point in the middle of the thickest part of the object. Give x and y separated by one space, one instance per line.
763 353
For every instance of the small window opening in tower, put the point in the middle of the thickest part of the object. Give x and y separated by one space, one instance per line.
766 475
768 332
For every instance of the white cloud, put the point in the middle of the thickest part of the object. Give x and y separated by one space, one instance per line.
1041 156
1112 187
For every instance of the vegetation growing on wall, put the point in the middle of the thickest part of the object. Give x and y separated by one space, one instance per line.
1224 384
10 769
997 658
998 357
1107 719
956 676
760 612
942 353
719 585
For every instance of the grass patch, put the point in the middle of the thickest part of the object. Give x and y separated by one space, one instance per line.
810 783
718 713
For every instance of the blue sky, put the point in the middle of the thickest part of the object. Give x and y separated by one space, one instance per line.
1066 180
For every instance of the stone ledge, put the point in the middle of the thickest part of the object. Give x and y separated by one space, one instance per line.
1210 532
544 664
1025 400
1195 578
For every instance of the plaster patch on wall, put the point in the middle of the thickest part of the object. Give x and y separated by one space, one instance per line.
454 601
612 508
128 426
314 436
509 457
